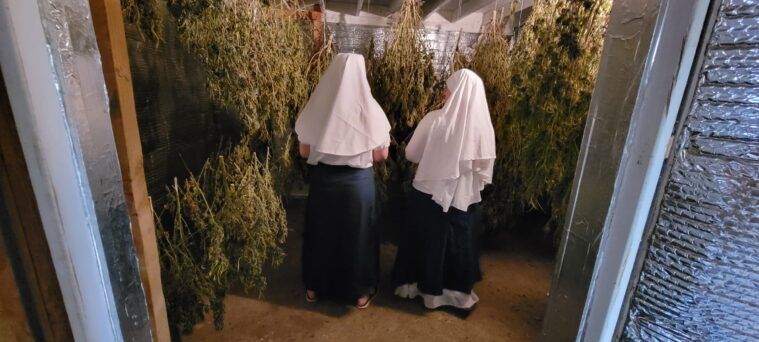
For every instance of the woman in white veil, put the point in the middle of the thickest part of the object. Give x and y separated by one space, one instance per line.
342 131
455 149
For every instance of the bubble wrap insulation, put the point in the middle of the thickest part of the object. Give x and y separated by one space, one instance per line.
76 61
356 38
700 276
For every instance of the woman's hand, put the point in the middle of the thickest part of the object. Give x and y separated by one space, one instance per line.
304 150
379 155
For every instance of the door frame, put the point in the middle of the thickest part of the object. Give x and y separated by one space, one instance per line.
53 73
637 186
634 109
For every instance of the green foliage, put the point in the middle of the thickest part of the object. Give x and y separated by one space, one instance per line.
226 224
543 99
320 61
259 62
490 60
403 81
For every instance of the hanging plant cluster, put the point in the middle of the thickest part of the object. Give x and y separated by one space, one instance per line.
320 61
223 226
403 81
225 223
490 60
541 103
259 64
459 59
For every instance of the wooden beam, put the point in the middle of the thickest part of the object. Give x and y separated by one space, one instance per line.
25 237
472 6
111 38
432 6
359 6
394 6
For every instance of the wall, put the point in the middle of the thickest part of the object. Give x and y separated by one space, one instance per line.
354 32
356 38
699 273
623 73
52 68
373 15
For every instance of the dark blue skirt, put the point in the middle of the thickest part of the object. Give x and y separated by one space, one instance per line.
341 240
438 250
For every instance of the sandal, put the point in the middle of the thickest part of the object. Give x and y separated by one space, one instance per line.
311 299
368 300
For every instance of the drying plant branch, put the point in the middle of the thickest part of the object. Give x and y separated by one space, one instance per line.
542 95
226 224
403 82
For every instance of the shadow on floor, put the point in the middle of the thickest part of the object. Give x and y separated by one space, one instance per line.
513 299
286 289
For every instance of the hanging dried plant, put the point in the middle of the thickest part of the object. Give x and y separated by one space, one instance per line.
547 84
146 14
320 61
403 79
226 224
403 75
459 59
490 60
257 57
259 62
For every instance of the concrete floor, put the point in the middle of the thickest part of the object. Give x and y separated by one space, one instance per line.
513 297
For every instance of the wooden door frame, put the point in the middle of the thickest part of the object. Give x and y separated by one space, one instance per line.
111 37
52 69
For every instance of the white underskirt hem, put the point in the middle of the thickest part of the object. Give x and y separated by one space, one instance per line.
454 298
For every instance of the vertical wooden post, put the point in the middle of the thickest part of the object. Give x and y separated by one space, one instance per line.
109 28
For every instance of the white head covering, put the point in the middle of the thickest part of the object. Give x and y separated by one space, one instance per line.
455 146
341 117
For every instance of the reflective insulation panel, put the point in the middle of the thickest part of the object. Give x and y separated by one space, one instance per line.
622 77
76 61
356 38
699 279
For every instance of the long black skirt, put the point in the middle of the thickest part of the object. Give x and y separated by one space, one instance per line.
341 241
438 255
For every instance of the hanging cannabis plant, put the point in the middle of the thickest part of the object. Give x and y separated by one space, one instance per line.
402 78
547 85
146 15
490 60
222 227
459 59
258 58
225 223
320 61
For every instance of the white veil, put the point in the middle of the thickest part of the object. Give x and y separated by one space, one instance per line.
341 117
455 146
